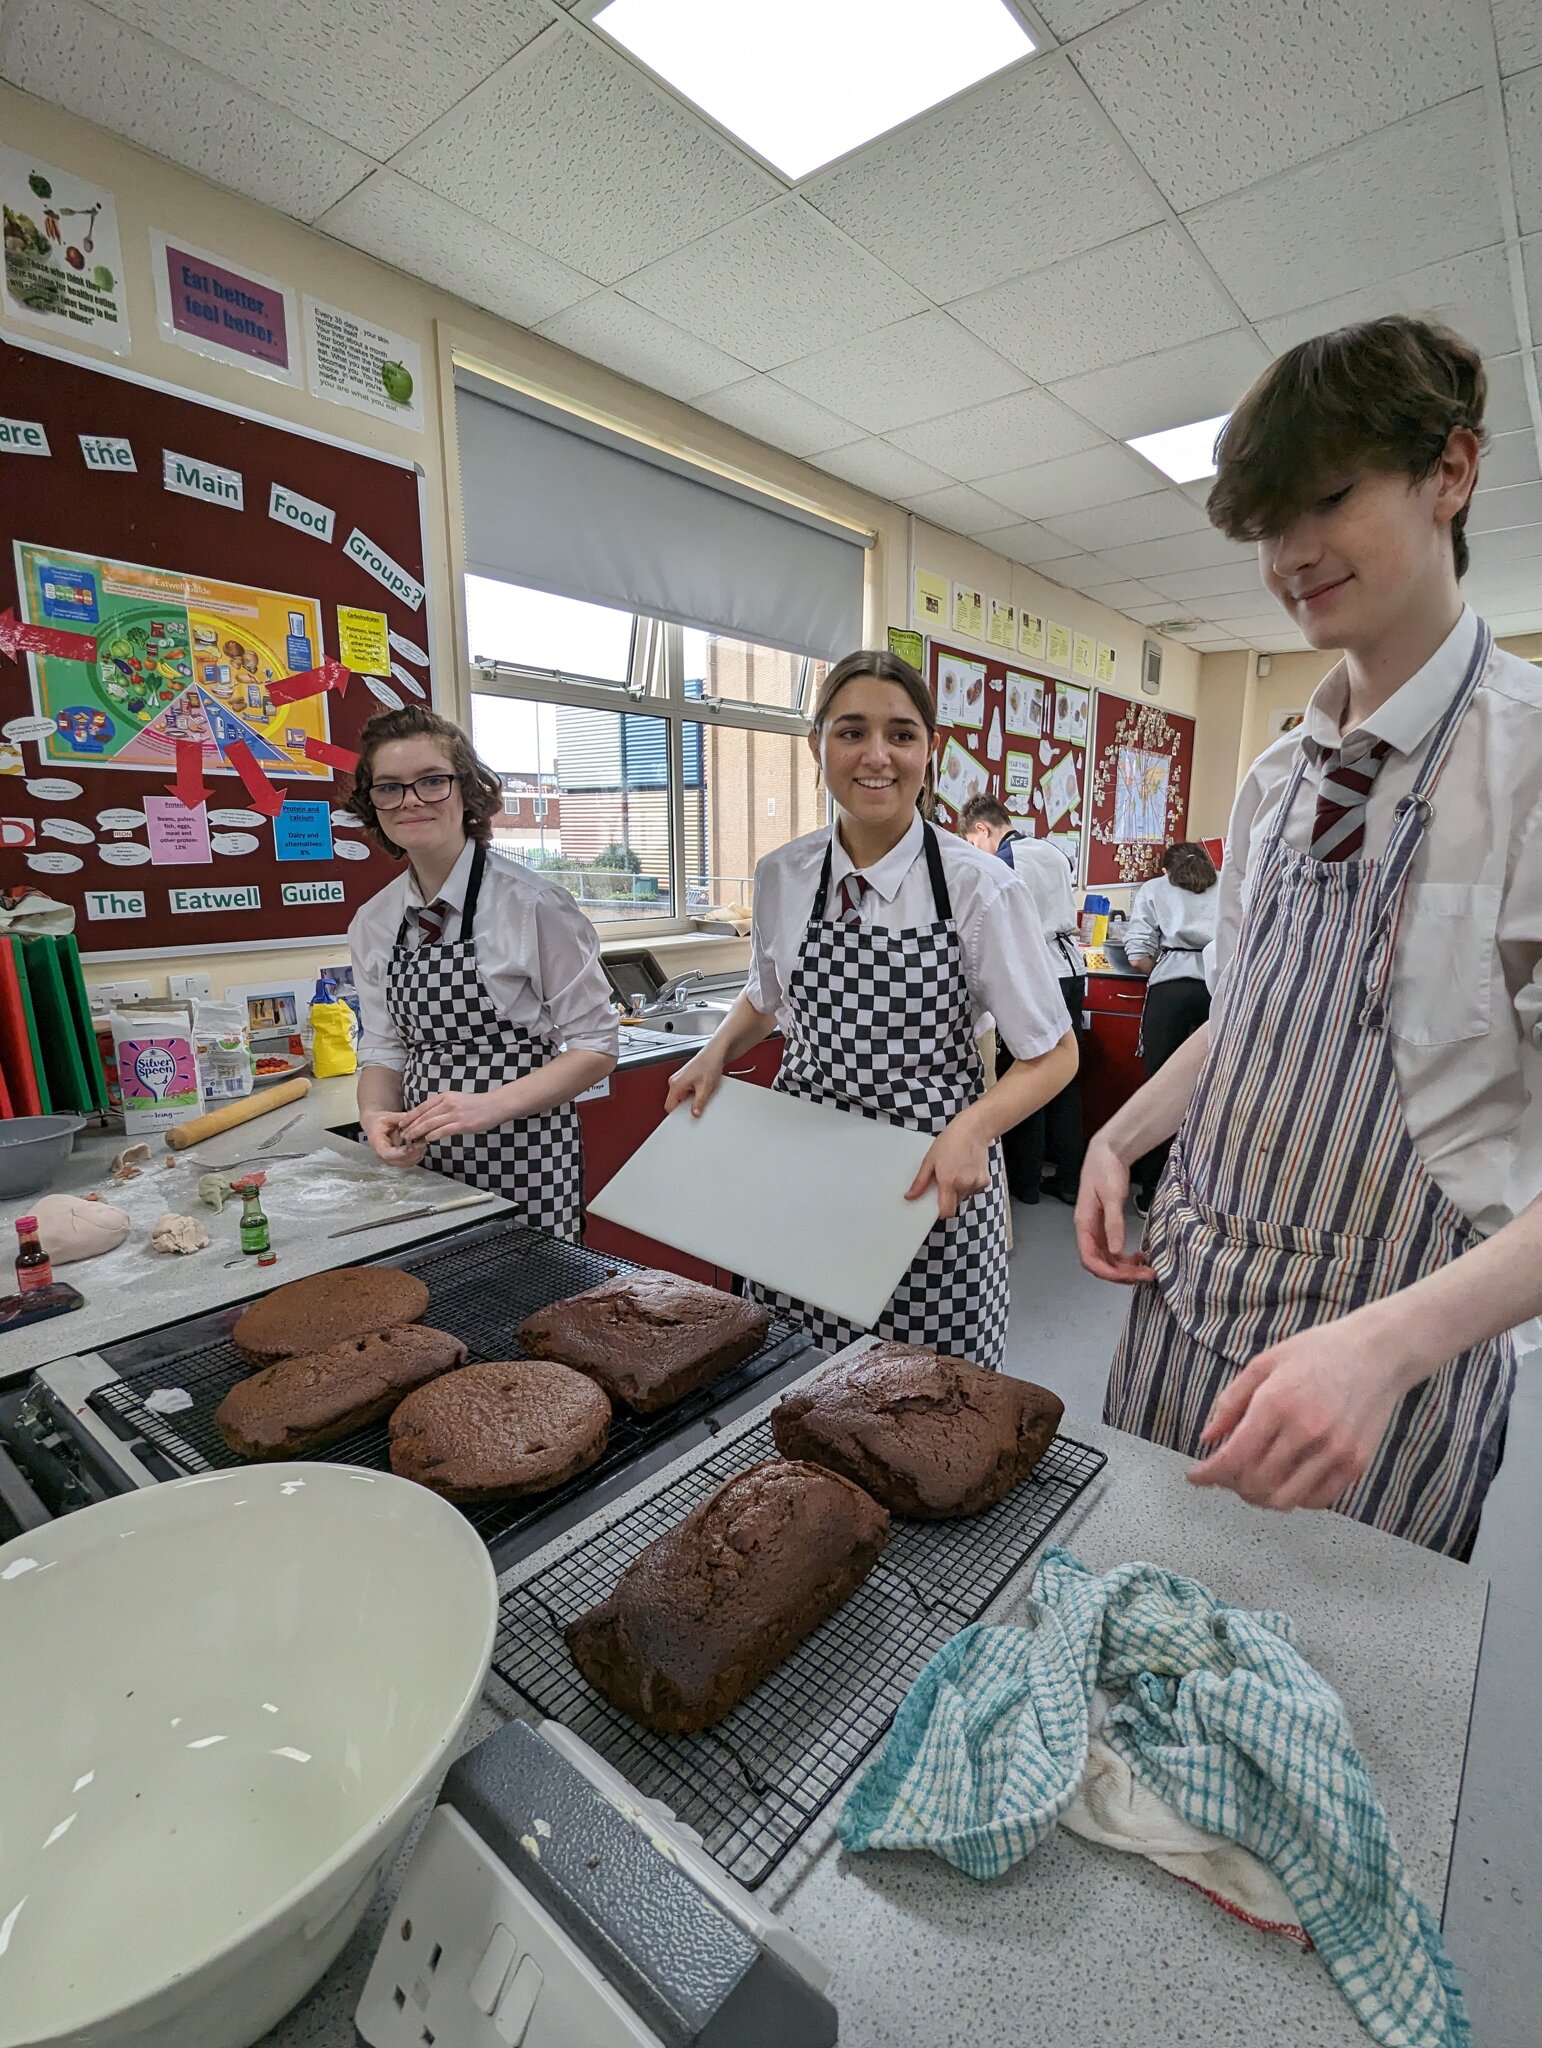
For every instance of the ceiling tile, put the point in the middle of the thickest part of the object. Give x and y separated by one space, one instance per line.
1518 32
1215 94
1509 410
1523 119
1192 585
1195 381
1531 260
1510 459
370 72
772 413
1087 572
1510 544
1129 592
774 286
1152 517
124 81
1148 291
1027 543
571 148
1073 483
1470 293
1232 604
1012 175
1269 624
883 469
1155 613
426 236
1402 198
1024 427
638 344
1519 622
1067 18
1207 550
959 509
898 375
1496 511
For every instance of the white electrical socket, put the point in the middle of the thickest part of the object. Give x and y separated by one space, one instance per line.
105 993
192 986
470 1960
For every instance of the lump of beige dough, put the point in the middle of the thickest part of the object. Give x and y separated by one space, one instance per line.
178 1234
70 1228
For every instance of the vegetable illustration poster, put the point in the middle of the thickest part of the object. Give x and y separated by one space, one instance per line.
177 658
63 265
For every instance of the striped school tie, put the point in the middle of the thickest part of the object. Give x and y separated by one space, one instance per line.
853 889
431 921
1348 776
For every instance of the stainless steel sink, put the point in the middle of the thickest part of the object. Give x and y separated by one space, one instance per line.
690 1020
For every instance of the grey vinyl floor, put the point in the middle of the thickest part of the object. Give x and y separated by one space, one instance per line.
1063 1329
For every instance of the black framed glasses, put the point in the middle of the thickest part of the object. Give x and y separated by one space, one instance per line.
428 789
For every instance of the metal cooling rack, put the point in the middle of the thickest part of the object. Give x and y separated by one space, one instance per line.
750 1785
481 1288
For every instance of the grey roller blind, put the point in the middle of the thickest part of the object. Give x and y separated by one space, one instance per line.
578 512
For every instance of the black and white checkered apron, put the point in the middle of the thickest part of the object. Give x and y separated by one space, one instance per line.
455 1038
881 1023
1294 1192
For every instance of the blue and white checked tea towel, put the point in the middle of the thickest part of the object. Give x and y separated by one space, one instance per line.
1213 1709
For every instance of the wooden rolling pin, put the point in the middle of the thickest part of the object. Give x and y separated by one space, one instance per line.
180 1136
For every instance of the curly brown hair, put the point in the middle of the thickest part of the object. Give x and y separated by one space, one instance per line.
1187 866
481 791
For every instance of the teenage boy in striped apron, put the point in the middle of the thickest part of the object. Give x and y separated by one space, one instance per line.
1349 1226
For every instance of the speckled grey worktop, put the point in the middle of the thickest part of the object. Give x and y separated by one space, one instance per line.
135 1289
1082 1944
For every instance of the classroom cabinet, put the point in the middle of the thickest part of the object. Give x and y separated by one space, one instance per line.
614 1125
1110 1065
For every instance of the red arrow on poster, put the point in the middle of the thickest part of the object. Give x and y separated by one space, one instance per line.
189 789
16 638
330 756
312 682
264 796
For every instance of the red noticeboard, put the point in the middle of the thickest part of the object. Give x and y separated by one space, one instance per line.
1009 731
173 563
1141 771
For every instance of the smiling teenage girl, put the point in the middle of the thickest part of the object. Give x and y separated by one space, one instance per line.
879 947
484 1006
1331 1268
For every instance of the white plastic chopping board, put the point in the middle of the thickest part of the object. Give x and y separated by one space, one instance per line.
807 1200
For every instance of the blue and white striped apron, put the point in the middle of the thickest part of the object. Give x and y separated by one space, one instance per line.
1294 1192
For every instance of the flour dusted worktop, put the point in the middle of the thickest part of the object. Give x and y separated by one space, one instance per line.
1081 1945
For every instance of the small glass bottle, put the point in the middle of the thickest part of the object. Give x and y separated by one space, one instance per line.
254 1223
34 1268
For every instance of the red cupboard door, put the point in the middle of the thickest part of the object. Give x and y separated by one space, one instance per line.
614 1126
761 1064
1111 1069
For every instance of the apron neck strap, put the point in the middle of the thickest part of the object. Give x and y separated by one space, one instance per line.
473 890
940 897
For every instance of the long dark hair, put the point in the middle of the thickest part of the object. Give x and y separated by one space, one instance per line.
481 791
885 667
1187 866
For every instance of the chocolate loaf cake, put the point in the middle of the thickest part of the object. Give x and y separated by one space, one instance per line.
705 1612
488 1432
326 1309
648 1337
930 1437
304 1403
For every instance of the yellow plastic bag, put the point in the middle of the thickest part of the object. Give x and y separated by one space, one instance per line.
334 1048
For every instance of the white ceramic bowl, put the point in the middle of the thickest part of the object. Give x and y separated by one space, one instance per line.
222 1703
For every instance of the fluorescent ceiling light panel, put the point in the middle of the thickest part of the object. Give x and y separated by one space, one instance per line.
802 82
1184 453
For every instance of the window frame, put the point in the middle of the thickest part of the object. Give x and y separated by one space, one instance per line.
655 687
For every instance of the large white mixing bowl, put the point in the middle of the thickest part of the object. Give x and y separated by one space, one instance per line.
222 1703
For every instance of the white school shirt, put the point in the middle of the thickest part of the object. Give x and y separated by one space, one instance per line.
537 956
1165 915
1011 974
1466 996
1046 873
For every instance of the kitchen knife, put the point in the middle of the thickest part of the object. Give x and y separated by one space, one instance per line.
412 1215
